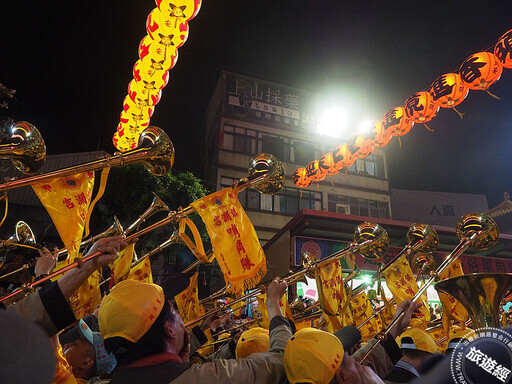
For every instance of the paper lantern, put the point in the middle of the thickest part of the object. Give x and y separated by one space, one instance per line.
326 165
170 32
359 146
503 50
300 178
152 79
179 10
313 171
142 96
448 90
420 107
480 71
156 54
342 157
396 123
378 136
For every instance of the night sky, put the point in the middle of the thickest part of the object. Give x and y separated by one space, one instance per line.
71 62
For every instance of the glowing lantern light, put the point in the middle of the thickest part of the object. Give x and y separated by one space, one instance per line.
300 178
313 171
480 71
396 123
342 157
503 50
359 146
326 165
448 90
420 107
378 136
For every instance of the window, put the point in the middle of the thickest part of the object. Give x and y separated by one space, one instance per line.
288 201
250 142
373 165
355 206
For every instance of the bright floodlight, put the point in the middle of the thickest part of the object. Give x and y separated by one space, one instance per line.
364 126
367 279
333 123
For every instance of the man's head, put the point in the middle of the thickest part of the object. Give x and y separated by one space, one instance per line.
136 320
87 355
253 340
312 356
350 337
416 345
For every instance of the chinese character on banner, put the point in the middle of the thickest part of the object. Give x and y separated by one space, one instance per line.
453 311
188 301
235 244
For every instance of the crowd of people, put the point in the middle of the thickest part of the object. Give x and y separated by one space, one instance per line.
137 336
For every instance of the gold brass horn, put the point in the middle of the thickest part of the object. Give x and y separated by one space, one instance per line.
268 164
473 230
362 237
154 150
480 294
22 235
423 263
25 148
172 217
157 205
421 237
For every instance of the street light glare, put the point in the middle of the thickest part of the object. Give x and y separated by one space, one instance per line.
333 123
364 126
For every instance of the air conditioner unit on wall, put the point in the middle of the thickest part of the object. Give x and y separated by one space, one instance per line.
343 208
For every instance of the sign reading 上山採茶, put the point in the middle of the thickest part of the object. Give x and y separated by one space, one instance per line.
268 103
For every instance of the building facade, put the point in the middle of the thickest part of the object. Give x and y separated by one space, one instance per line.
247 116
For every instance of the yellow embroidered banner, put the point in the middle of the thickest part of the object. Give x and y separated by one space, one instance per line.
67 201
234 241
402 284
453 310
332 296
141 272
122 265
188 301
85 300
362 310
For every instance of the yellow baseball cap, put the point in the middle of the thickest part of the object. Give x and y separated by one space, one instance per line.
458 334
130 309
312 356
416 338
252 341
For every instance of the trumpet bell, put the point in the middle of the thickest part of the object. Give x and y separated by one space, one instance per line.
26 148
483 228
378 247
424 236
265 163
161 151
423 262
480 294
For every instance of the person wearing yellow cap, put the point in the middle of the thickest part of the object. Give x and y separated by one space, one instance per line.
148 338
417 345
253 340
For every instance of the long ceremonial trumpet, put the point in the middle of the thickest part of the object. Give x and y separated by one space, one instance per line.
369 238
473 230
266 174
421 237
154 150
25 148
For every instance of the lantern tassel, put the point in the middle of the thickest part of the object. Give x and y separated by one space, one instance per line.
317 186
430 129
496 97
301 193
399 142
459 113
346 173
330 178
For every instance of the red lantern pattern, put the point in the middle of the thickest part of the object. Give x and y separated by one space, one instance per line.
313 171
326 165
300 178
396 123
359 146
503 50
378 136
480 71
448 90
342 157
420 107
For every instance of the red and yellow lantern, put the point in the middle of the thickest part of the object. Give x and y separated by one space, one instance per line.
396 123
503 50
359 146
342 157
378 136
300 178
480 71
326 165
313 171
448 90
420 107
